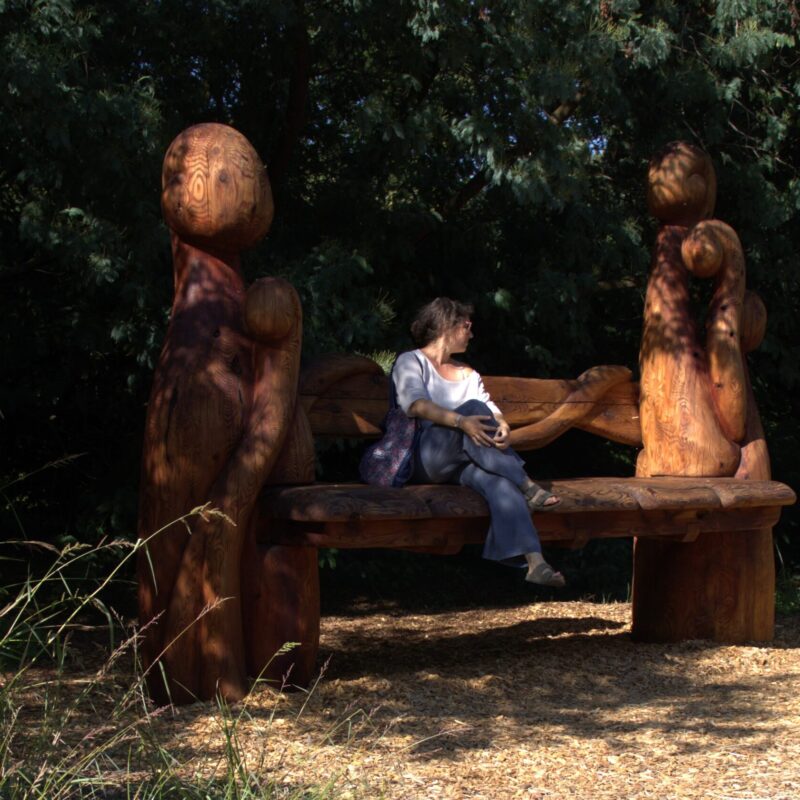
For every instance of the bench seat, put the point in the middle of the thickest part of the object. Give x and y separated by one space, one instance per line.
443 518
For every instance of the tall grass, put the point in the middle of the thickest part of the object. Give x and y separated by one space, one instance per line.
72 730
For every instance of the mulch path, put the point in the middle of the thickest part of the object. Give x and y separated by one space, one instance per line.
541 700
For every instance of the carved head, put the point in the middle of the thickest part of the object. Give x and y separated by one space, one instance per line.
682 185
214 189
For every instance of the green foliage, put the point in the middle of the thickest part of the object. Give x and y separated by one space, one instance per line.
787 593
494 152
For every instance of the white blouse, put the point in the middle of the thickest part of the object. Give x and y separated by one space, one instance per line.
415 378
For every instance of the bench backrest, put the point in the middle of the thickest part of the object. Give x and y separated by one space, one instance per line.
347 396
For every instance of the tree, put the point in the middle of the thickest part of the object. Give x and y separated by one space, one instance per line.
492 151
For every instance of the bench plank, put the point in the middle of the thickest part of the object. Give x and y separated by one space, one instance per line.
325 502
354 405
671 495
443 518
341 501
450 534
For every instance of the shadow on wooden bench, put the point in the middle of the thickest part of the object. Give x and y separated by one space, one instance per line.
346 396
443 518
220 594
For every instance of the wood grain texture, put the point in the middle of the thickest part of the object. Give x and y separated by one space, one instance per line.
754 321
755 462
220 595
196 415
573 529
681 184
271 309
680 429
235 492
525 401
331 368
341 502
296 460
222 403
717 587
712 248
215 191
350 502
280 589
699 418
592 385
344 396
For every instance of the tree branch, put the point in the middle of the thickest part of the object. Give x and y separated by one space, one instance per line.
565 110
470 189
478 182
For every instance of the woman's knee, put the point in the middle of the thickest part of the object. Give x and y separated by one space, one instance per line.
440 452
475 408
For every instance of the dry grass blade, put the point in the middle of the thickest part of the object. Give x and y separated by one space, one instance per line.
546 700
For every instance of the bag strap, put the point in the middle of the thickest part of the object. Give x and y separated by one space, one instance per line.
392 389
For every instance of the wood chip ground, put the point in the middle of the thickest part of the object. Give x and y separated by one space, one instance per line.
545 700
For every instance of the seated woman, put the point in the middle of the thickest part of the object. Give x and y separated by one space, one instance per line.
464 438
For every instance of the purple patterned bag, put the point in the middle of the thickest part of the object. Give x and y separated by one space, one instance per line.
390 461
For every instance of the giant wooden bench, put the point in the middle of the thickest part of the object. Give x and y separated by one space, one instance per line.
443 518
231 517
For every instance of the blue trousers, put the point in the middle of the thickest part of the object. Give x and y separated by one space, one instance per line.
448 455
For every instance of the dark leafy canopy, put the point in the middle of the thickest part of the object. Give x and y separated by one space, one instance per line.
491 151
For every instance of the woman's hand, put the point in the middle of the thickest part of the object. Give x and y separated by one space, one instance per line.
478 430
501 440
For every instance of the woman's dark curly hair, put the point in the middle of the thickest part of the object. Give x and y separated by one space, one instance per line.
436 317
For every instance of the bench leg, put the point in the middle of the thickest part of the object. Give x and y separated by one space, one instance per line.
280 604
720 587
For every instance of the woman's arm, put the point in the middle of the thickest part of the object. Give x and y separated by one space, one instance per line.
413 398
501 434
475 426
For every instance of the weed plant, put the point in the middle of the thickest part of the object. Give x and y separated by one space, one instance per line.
71 733
787 586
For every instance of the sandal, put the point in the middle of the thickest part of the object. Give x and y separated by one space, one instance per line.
544 575
537 498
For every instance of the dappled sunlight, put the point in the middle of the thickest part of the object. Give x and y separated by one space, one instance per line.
496 700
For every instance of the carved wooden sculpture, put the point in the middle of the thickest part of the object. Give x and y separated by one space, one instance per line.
222 402
222 591
698 414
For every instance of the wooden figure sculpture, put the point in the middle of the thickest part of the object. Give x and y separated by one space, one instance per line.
698 415
222 402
